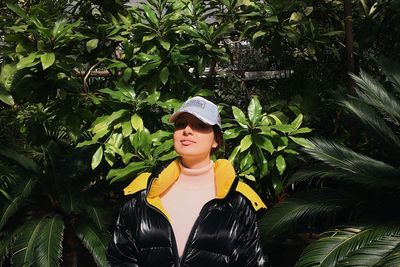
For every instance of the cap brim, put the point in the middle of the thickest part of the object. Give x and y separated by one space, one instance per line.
176 115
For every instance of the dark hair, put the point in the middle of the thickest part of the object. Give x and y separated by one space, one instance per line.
219 137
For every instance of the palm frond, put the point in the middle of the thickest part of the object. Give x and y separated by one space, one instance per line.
8 175
71 202
392 72
98 215
25 243
26 163
374 94
94 240
337 244
7 239
304 206
372 253
361 169
24 191
316 171
392 259
49 245
371 119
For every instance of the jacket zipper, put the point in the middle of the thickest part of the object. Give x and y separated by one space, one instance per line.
174 246
194 227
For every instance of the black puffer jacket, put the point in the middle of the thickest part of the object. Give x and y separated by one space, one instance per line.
224 234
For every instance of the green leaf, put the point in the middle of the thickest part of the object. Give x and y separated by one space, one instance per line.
97 215
312 205
164 74
26 242
148 37
47 60
258 34
166 45
296 17
245 143
297 122
11 208
126 128
232 133
137 122
280 164
240 117
129 171
97 157
246 162
28 61
301 130
284 128
6 98
102 124
49 245
234 153
94 240
264 143
301 141
150 15
18 10
254 110
336 245
7 75
92 44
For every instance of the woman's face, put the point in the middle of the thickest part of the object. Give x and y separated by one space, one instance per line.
193 139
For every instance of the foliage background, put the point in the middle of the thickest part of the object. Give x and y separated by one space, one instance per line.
86 86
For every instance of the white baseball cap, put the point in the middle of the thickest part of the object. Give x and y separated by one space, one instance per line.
201 108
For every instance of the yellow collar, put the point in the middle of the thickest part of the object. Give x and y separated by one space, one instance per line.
224 177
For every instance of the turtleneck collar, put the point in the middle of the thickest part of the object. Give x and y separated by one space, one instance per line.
198 171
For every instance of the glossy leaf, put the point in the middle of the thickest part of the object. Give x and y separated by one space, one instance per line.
137 122
245 143
49 246
301 141
97 157
264 143
240 117
47 60
92 44
164 75
254 110
234 153
280 164
6 98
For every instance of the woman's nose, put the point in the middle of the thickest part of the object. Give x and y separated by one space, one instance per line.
188 129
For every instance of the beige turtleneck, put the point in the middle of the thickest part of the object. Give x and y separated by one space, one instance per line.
186 197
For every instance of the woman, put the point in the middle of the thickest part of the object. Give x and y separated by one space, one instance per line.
194 212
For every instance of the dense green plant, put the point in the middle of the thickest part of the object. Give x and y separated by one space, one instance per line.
51 209
357 193
262 143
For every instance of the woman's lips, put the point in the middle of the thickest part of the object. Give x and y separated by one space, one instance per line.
187 142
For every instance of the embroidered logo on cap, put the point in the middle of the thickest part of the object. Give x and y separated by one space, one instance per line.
195 103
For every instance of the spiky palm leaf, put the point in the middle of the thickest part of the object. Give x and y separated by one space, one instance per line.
391 70
337 245
8 176
25 188
25 243
304 206
49 245
361 169
371 92
94 240
97 214
371 118
373 254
